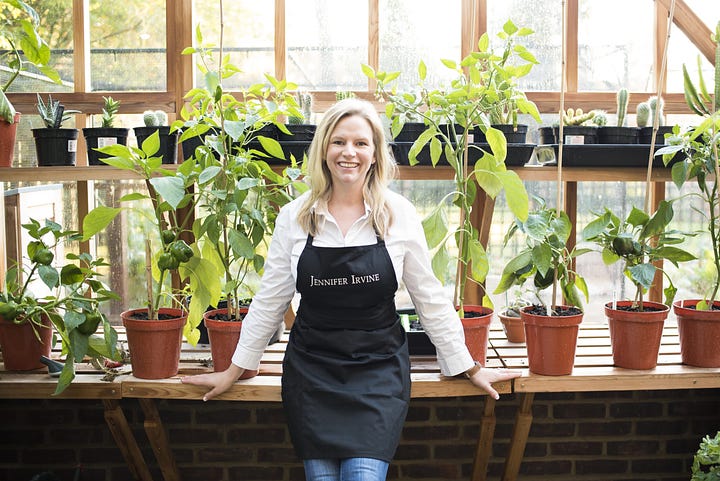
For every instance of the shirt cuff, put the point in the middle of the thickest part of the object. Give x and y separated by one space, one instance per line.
248 360
456 364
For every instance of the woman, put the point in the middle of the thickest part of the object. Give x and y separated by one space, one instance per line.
345 245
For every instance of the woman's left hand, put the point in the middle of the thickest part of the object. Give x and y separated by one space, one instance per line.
486 376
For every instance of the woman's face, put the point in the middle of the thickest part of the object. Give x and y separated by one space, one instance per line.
350 152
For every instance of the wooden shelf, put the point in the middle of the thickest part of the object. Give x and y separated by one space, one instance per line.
570 174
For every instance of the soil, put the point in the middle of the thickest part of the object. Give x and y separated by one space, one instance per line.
541 311
226 318
637 309
143 316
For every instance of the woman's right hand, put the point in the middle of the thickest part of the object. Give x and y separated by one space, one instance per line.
218 382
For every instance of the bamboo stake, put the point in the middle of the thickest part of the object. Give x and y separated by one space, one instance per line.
149 279
659 88
561 131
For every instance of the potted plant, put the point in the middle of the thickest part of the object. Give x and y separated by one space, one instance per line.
699 319
54 145
156 121
619 133
459 105
238 192
706 461
39 297
155 332
26 48
550 329
640 241
649 116
576 129
505 101
106 134
509 316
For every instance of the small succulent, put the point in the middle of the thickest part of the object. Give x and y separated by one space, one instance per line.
576 116
600 118
623 98
110 110
154 118
52 112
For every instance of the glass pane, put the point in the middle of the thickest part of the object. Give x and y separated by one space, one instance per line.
56 29
127 45
411 31
682 51
326 43
545 18
620 56
249 36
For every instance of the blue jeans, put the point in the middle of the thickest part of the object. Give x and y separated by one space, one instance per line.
350 469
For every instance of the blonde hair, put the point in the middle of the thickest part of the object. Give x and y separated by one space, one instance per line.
378 177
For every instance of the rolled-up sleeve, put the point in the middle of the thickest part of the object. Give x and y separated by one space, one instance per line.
435 311
269 305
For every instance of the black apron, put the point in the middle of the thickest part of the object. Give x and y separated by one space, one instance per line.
346 372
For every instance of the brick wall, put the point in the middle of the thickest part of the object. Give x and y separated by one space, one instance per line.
643 435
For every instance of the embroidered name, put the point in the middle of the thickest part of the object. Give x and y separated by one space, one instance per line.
344 281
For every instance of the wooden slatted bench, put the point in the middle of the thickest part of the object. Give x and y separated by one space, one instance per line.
427 382
594 371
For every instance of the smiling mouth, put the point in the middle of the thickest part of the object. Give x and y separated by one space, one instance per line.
348 165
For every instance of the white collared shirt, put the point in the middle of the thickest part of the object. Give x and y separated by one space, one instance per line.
405 242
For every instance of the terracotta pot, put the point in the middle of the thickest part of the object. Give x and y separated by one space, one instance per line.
224 337
477 331
154 344
635 336
699 334
8 133
21 349
551 342
513 327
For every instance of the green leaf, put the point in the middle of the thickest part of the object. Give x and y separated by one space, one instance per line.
208 174
73 319
643 274
659 221
66 377
272 147
637 217
171 189
79 343
596 227
542 257
440 262
435 226
98 219
479 260
151 144
49 276
673 254
71 274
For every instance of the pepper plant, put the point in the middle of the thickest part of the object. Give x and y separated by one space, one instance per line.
700 148
239 194
72 303
172 204
462 106
639 241
545 257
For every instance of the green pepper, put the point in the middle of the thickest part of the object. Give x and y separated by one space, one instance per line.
623 244
9 310
544 281
168 236
91 323
167 262
181 251
43 256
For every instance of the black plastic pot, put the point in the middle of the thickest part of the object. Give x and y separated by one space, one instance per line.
410 132
618 135
574 135
299 133
646 134
191 144
514 134
96 137
419 343
168 142
55 147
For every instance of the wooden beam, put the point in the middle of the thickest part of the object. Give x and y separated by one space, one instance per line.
572 50
692 26
280 40
373 59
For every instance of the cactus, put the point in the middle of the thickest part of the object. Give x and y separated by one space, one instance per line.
305 103
600 118
656 102
576 117
623 98
643 114
344 94
109 112
155 118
